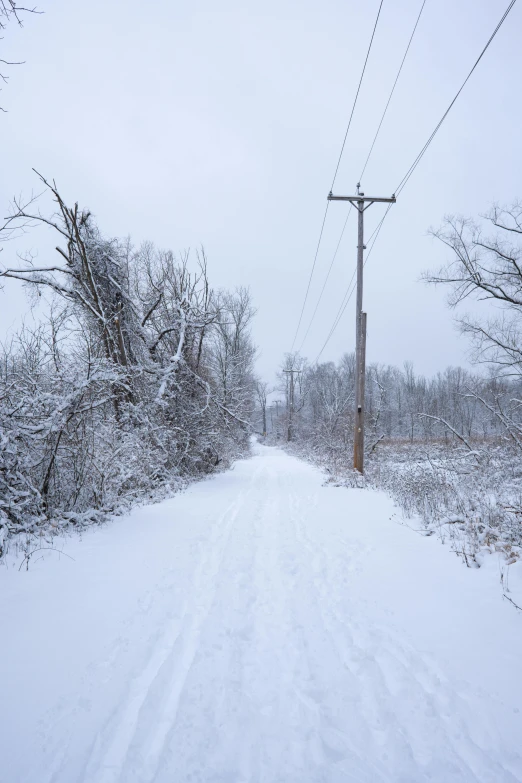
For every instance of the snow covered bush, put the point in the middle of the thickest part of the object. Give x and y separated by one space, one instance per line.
449 448
140 379
473 500
446 449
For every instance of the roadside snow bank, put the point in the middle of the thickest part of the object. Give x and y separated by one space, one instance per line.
259 626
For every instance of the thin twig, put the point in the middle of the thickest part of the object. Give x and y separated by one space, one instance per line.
39 549
512 602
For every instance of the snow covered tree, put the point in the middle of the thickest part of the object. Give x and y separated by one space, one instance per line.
141 376
488 266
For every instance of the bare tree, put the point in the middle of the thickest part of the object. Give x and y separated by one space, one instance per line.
233 354
140 378
11 12
262 390
487 267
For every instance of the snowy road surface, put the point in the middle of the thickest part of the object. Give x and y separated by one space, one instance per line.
259 627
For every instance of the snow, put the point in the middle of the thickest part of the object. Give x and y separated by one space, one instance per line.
259 627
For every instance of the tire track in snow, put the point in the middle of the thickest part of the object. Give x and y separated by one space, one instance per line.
271 665
220 671
178 647
331 691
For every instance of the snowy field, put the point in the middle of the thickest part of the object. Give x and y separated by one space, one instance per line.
259 627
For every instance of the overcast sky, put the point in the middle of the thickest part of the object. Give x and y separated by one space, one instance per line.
220 124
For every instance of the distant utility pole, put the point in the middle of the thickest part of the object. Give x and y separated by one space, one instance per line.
277 403
359 202
290 432
275 406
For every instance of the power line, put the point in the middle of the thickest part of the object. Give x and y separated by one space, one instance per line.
417 160
351 288
326 279
356 95
412 168
393 88
310 277
340 312
369 153
335 175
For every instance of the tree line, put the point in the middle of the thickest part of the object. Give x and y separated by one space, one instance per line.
447 448
456 406
140 376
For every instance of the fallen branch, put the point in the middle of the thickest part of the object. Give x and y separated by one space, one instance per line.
452 429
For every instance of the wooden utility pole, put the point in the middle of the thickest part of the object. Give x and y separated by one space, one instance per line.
359 201
290 431
275 405
277 418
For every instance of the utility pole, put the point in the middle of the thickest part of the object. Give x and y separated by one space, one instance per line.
359 201
290 432
275 406
277 418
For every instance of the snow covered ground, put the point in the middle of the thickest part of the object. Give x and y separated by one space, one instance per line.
259 627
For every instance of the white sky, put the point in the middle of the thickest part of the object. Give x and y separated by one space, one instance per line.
221 123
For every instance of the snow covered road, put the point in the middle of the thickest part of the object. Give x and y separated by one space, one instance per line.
259 627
